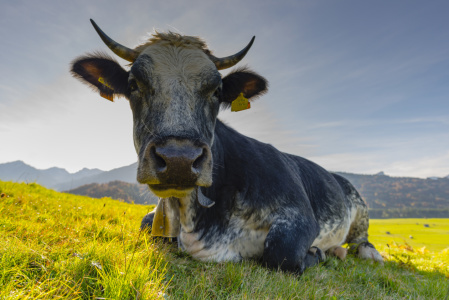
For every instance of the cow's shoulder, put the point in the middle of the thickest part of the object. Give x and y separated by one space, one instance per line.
258 171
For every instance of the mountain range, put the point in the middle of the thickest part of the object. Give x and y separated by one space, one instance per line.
60 179
380 191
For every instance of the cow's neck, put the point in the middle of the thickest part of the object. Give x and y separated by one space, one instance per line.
222 149
187 212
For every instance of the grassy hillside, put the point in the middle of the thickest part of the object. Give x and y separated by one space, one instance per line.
119 190
56 245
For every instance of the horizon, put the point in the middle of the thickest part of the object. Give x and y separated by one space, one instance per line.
332 171
355 87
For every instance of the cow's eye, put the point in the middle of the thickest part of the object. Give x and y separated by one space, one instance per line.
132 86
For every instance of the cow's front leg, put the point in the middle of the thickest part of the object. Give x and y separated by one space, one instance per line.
288 244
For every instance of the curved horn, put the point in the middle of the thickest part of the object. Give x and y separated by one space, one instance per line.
229 61
122 51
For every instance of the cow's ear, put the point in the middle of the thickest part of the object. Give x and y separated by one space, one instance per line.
102 73
243 81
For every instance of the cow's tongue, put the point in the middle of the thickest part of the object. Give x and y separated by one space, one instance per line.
203 200
166 218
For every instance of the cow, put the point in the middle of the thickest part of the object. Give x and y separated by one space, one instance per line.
225 196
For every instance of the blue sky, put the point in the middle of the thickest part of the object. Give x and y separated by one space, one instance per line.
355 86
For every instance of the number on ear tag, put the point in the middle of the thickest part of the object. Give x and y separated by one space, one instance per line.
102 81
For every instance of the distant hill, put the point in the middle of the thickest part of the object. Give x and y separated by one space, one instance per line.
59 179
19 171
382 192
126 174
119 190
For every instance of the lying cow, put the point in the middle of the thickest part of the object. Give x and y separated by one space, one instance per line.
227 197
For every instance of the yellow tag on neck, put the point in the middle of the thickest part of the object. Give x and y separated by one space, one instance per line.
166 220
241 103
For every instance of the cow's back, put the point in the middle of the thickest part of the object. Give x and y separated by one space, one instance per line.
266 176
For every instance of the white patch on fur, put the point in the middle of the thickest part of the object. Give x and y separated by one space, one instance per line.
243 238
218 252
249 240
331 236
236 244
335 235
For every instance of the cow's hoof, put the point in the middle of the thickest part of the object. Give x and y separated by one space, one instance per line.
366 250
338 251
314 256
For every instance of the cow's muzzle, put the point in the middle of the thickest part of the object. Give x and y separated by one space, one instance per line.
175 166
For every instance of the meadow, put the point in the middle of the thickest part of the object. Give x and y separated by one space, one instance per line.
60 246
433 234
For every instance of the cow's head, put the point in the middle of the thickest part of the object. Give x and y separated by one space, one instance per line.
175 92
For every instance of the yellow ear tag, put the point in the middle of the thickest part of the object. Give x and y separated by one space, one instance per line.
241 103
108 96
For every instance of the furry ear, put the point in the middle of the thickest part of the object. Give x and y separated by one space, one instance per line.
102 73
243 81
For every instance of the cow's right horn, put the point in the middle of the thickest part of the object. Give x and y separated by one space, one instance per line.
122 51
229 61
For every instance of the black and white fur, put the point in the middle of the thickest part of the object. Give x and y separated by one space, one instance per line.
272 206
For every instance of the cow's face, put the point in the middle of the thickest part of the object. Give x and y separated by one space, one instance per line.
175 101
175 92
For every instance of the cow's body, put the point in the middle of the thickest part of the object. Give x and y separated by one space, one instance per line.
265 197
268 205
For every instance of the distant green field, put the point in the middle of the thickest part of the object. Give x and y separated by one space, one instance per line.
434 238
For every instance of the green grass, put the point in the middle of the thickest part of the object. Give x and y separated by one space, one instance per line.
61 246
434 238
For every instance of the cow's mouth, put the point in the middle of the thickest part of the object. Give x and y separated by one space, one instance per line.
171 190
180 191
162 187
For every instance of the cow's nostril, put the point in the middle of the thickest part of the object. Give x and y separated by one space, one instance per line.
159 161
198 163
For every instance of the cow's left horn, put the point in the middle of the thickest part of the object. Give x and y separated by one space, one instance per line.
122 51
229 61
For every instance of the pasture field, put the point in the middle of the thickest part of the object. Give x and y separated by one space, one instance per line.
435 237
60 246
